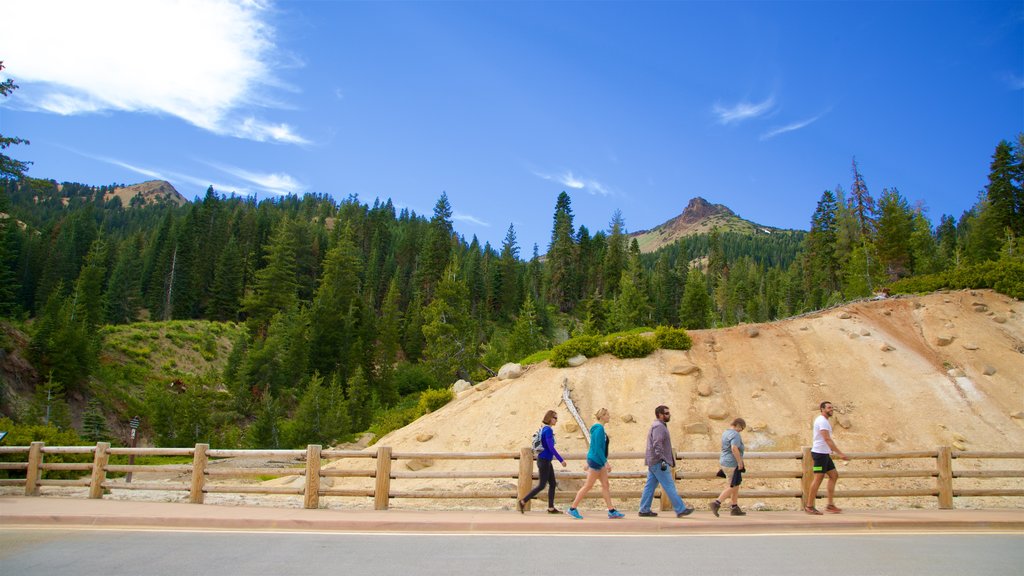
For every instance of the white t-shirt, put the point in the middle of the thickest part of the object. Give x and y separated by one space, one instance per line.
819 445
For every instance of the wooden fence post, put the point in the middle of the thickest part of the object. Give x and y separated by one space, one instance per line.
32 474
312 499
807 464
99 470
945 478
199 460
382 489
525 473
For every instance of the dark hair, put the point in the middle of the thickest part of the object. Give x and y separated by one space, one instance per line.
822 405
660 410
549 416
740 422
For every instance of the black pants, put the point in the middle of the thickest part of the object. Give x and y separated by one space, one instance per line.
546 472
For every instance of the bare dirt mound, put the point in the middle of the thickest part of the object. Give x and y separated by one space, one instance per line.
904 373
908 373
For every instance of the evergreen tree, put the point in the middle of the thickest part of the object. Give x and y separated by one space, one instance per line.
615 255
389 334
508 274
894 227
695 309
334 316
561 263
9 167
359 401
123 298
265 430
88 290
310 424
276 288
862 204
9 287
820 251
1004 192
923 248
48 406
436 251
226 290
447 329
527 335
94 423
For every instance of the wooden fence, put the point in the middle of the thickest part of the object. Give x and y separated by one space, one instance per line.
795 476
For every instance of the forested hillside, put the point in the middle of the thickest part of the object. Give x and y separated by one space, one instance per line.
347 310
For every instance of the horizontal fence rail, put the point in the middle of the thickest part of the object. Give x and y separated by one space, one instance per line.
209 467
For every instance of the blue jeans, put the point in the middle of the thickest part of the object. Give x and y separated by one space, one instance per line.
655 475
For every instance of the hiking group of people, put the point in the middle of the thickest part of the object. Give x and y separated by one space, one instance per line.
659 457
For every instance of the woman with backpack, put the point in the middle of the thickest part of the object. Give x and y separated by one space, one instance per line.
545 469
597 467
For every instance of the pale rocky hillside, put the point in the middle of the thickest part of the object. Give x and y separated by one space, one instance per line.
909 373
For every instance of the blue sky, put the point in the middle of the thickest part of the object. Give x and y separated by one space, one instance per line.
636 106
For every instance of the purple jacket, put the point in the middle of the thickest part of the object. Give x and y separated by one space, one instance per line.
659 445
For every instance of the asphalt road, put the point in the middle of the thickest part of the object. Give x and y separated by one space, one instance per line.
43 551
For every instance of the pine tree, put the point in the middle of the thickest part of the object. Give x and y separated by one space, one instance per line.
226 290
123 298
9 287
862 204
894 227
695 309
527 335
333 317
615 255
447 328
94 423
389 334
9 167
820 250
265 430
48 406
561 263
508 274
359 400
276 288
436 251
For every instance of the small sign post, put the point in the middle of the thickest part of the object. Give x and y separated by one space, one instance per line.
133 424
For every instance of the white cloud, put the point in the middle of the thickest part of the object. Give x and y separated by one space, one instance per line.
742 111
175 178
791 127
596 187
459 217
274 182
208 62
1014 81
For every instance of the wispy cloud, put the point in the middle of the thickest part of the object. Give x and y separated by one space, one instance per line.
273 182
791 127
570 180
460 217
742 111
1014 81
171 176
208 62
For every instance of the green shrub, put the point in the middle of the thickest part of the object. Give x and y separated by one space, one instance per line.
536 357
25 434
393 419
589 346
672 338
433 399
632 346
412 378
1005 276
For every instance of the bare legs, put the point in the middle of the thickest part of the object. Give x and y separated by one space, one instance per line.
592 477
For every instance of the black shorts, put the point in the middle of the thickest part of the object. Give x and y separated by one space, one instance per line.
823 463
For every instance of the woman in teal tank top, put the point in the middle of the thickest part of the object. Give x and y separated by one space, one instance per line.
597 466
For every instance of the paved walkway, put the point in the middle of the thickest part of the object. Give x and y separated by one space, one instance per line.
64 512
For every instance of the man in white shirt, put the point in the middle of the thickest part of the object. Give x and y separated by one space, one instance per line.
821 451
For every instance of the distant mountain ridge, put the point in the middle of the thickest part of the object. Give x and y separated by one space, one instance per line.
149 192
699 217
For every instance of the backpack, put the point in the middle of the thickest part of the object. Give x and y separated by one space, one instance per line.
537 443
